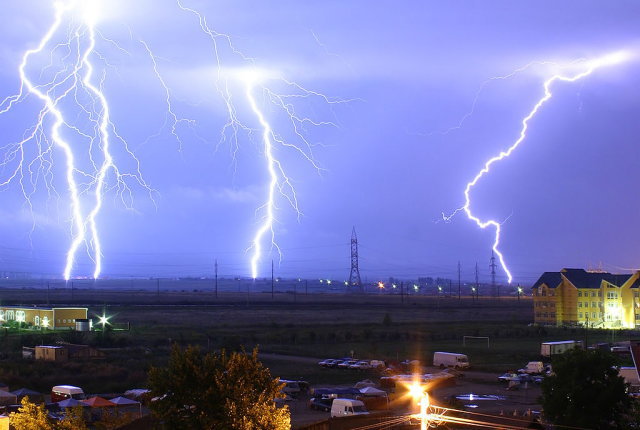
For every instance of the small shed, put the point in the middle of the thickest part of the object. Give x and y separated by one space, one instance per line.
7 398
34 396
124 404
70 403
52 353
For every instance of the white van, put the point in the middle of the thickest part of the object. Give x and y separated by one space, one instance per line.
347 407
450 359
63 392
291 388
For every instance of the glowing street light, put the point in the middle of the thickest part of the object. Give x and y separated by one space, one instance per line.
419 394
103 320
519 292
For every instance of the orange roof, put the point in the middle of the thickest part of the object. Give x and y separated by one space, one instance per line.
98 402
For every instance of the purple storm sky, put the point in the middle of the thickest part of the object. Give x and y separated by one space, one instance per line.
412 71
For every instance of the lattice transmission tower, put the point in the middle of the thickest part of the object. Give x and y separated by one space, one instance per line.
354 276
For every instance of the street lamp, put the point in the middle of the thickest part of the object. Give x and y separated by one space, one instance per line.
422 397
103 321
519 292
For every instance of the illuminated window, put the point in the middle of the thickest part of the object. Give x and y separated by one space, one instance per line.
1 315
20 316
579 293
36 320
10 316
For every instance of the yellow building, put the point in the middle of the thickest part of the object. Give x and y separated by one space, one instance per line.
52 318
593 299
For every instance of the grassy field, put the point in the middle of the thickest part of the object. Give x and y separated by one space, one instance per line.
314 325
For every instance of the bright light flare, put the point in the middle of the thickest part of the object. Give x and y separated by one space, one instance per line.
571 73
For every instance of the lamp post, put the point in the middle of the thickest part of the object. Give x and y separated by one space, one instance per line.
422 397
519 292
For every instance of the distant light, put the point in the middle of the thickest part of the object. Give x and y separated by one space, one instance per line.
416 390
329 281
381 285
415 287
393 285
346 282
103 320
321 281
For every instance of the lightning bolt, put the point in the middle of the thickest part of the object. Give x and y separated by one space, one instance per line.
587 67
73 84
75 89
253 79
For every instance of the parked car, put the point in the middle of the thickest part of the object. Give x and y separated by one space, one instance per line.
361 365
346 364
320 403
336 362
533 368
508 376
327 362
520 377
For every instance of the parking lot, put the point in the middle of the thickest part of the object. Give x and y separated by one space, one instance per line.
470 390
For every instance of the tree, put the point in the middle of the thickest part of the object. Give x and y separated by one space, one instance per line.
216 390
34 417
586 391
30 417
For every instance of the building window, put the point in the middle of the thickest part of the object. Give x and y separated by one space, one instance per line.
593 315
579 304
36 321
580 315
45 322
1 315
594 305
593 294
599 293
579 293
10 316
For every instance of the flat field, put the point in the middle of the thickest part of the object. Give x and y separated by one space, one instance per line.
302 328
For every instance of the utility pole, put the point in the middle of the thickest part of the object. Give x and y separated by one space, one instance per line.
495 291
459 284
216 267
272 279
477 282
354 275
402 292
